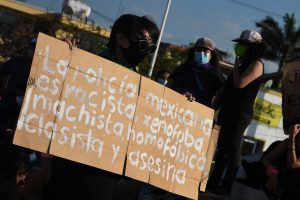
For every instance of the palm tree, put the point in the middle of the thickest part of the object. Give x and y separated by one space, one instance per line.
282 44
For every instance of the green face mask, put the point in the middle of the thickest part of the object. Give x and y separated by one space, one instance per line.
240 49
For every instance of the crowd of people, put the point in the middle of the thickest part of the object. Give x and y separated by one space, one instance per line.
199 78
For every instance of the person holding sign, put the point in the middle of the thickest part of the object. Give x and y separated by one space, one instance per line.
199 77
14 73
132 39
236 102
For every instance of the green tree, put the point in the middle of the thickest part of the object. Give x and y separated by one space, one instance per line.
281 43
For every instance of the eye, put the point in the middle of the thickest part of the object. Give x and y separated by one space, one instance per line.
207 51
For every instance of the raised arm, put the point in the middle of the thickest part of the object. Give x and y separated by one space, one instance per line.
292 160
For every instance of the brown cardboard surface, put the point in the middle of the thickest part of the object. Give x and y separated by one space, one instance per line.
166 162
103 105
291 93
95 66
199 125
142 140
95 112
42 94
209 156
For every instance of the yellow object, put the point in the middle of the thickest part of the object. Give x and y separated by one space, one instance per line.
22 7
267 112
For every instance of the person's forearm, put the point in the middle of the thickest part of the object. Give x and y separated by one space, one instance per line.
291 154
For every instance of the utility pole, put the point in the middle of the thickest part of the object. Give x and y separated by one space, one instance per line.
159 38
120 9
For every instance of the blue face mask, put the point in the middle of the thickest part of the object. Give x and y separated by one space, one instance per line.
201 57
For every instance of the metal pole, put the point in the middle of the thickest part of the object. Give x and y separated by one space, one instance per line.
159 38
119 9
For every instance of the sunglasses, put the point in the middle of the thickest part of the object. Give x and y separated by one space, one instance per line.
145 46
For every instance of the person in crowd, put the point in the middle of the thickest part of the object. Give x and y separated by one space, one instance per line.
288 176
278 170
15 72
199 76
235 109
13 171
132 39
162 76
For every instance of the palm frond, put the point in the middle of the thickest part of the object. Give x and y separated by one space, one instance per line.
289 25
272 26
281 44
272 33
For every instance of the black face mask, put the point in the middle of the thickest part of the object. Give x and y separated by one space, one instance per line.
137 51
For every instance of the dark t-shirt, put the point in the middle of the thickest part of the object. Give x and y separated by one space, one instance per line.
202 82
8 190
14 73
240 99
18 70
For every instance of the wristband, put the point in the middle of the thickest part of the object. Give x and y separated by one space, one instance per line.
271 171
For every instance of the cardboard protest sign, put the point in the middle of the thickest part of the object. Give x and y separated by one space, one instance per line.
36 119
80 106
85 108
170 139
291 93
209 156
101 98
142 140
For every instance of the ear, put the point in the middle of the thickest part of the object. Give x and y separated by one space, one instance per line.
122 41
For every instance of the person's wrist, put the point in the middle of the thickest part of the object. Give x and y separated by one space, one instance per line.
291 139
291 144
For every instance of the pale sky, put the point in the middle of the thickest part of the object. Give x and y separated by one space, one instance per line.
220 20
